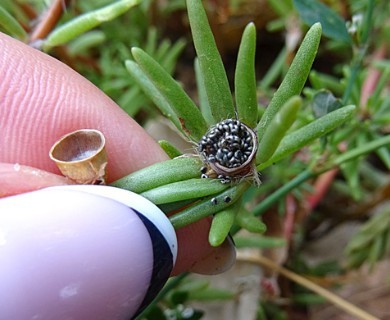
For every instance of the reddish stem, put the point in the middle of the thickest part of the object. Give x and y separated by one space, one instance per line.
372 78
48 20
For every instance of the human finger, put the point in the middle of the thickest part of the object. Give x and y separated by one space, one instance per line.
82 252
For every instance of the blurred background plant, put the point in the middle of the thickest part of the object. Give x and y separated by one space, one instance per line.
322 226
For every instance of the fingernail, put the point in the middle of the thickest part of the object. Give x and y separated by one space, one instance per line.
82 252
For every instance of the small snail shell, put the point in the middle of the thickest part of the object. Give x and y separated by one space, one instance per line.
82 252
81 156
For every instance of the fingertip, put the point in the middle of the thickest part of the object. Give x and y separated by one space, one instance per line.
61 101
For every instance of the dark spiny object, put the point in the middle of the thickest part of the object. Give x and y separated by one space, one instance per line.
228 148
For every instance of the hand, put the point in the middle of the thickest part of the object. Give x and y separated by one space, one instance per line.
41 100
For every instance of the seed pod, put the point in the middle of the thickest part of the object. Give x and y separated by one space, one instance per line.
81 156
230 150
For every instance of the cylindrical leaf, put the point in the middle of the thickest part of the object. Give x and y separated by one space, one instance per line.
303 136
169 149
160 174
191 119
202 94
213 71
208 206
295 78
278 127
248 221
184 190
11 25
220 226
151 91
245 79
86 22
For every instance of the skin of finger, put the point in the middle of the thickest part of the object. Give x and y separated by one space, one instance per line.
42 99
16 179
216 260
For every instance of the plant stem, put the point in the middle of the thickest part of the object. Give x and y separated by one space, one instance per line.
357 152
49 20
336 300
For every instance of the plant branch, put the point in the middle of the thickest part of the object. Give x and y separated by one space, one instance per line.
48 20
331 297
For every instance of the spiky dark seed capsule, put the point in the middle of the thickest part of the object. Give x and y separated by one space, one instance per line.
227 148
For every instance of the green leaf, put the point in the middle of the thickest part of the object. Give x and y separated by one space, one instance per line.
159 174
312 11
86 22
274 71
11 25
213 71
361 150
278 127
371 242
191 119
170 59
169 149
324 102
248 221
154 94
86 41
295 78
210 294
184 190
259 242
221 224
202 94
245 79
351 171
320 80
305 135
208 206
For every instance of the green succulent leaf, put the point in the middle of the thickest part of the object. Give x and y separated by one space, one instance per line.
11 25
305 135
295 78
154 94
245 79
371 243
191 120
86 22
184 190
208 206
202 94
258 242
211 66
159 174
278 127
169 149
248 221
221 224
210 294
